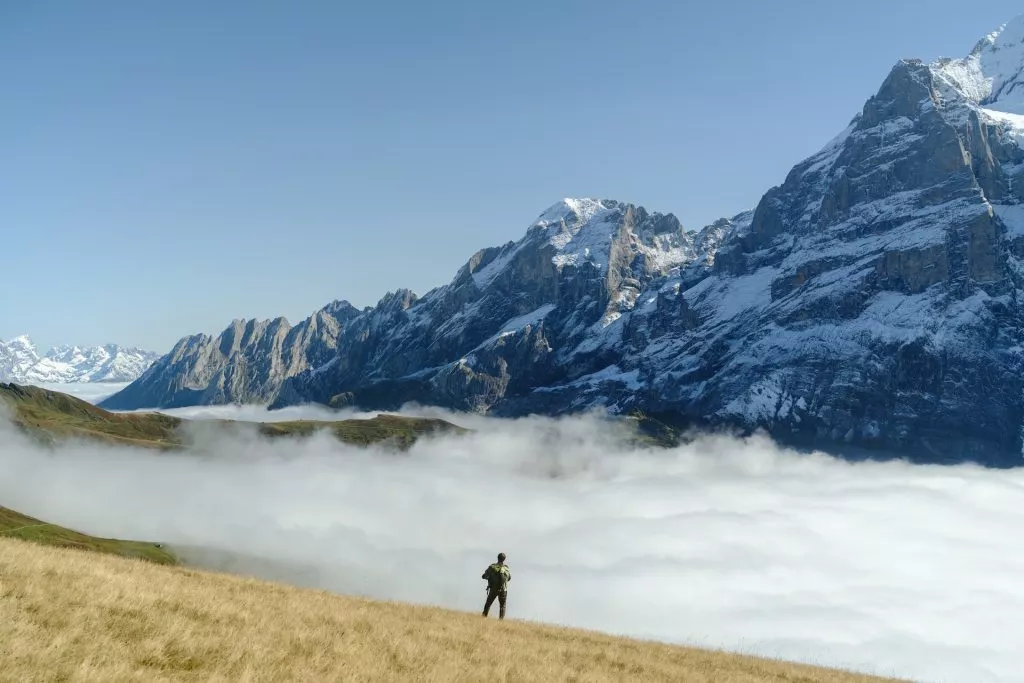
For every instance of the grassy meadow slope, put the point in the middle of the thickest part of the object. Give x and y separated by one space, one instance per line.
51 415
69 615
16 525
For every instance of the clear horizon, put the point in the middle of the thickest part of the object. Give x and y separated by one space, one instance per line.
174 168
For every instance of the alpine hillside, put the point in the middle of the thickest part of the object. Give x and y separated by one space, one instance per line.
21 363
872 300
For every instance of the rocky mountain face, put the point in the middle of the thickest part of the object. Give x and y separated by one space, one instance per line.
21 363
875 299
522 322
246 363
872 300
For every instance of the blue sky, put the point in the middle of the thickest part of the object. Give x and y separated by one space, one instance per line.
169 167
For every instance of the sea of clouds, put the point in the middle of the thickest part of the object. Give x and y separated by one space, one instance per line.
729 543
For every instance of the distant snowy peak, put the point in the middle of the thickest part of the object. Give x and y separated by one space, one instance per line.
993 74
988 82
1001 59
20 362
572 211
23 344
17 357
581 230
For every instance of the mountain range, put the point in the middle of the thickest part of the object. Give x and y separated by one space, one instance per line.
870 301
21 363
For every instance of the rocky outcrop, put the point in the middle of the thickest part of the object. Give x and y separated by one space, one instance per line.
870 301
246 363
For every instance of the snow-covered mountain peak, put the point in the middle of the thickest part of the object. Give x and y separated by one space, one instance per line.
993 74
17 357
580 230
583 230
572 211
23 342
21 363
62 351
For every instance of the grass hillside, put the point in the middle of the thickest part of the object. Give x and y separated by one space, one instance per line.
51 415
400 430
67 615
18 526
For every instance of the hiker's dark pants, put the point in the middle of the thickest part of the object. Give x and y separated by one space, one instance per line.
502 597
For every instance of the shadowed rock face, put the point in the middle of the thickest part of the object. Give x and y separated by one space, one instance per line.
245 363
870 301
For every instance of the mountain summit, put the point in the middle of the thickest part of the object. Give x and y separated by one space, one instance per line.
21 363
872 300
992 76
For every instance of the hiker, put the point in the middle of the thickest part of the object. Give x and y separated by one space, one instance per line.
497 577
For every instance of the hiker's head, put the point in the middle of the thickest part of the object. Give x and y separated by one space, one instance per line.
501 557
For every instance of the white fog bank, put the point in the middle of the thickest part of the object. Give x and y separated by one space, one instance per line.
885 568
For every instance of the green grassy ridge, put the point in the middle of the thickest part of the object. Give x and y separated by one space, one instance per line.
51 415
650 431
398 430
16 525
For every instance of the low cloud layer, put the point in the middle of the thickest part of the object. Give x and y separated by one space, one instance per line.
94 392
737 544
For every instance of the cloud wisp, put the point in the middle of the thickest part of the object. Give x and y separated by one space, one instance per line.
887 568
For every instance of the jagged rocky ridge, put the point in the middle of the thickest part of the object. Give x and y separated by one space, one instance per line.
246 363
872 300
21 363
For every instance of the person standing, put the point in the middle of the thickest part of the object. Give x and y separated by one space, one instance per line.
497 577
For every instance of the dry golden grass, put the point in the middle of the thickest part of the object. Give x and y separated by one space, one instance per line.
71 615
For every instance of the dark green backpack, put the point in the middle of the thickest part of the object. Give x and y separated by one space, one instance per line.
497 576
